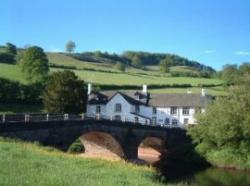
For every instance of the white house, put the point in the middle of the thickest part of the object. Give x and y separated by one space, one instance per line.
145 108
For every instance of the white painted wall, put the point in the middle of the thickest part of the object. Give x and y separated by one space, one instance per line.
108 111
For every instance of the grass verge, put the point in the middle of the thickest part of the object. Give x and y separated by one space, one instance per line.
30 164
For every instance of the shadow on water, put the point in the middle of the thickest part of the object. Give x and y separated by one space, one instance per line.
221 177
185 166
181 163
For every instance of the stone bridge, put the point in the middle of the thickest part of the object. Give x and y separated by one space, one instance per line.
61 133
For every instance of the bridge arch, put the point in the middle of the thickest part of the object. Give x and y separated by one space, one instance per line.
97 137
150 148
101 143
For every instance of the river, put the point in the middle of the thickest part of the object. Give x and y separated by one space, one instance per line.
216 177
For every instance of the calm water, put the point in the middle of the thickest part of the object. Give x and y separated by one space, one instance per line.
218 177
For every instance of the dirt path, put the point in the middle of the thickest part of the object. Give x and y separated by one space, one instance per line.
148 154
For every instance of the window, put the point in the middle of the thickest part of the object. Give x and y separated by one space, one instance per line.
136 119
167 121
98 109
117 117
173 110
118 107
153 120
154 110
185 110
137 109
185 121
174 122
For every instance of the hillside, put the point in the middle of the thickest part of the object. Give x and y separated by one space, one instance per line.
143 58
105 75
32 165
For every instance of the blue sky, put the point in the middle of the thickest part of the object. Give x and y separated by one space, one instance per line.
213 32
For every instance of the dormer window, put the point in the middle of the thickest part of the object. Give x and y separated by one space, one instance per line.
118 107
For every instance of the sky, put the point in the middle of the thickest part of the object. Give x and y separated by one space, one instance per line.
213 32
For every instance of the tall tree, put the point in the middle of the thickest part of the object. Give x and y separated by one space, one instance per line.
165 64
120 66
244 68
11 48
65 93
225 124
70 46
34 64
230 73
136 61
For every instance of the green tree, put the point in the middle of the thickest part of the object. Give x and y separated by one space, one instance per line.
136 61
230 73
244 68
165 64
65 93
120 66
226 123
70 46
34 64
11 49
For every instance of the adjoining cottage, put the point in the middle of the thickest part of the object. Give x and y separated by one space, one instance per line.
143 107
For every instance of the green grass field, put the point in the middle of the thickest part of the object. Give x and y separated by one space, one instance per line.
105 74
29 164
12 72
131 77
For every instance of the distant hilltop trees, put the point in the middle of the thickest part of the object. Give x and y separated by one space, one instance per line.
140 59
8 53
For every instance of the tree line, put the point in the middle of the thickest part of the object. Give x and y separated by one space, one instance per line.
60 91
141 59
232 73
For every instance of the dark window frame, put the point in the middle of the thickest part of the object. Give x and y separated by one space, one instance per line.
185 121
118 118
154 120
137 108
118 107
186 111
167 121
174 121
173 110
98 109
136 119
154 110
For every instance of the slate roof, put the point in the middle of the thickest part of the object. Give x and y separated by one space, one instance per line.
156 100
179 100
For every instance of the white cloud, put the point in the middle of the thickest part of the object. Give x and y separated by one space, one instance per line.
242 53
209 51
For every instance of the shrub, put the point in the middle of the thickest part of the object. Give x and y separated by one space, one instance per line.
76 147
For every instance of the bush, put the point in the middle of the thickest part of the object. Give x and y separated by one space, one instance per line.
15 92
76 147
7 58
225 127
119 66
